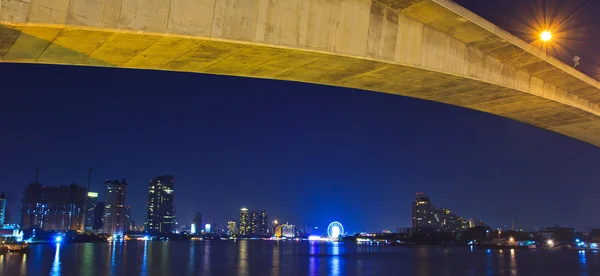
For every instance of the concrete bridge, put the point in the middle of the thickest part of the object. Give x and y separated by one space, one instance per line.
428 49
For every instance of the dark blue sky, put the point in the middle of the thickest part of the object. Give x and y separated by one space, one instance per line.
305 153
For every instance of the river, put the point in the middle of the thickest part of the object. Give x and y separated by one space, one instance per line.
270 258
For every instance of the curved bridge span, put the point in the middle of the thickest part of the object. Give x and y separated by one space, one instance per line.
429 49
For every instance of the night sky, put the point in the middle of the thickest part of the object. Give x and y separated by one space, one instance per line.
306 154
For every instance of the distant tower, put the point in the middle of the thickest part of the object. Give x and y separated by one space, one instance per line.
263 224
196 223
423 214
161 207
209 225
2 209
90 204
231 228
114 207
244 227
254 223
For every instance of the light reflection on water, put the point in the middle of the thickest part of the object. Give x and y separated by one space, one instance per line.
334 261
513 262
243 257
144 267
583 263
206 253
56 264
275 262
265 258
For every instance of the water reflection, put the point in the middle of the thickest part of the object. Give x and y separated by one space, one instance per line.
56 264
513 262
87 266
313 251
144 268
192 257
334 261
275 263
24 264
243 257
489 262
423 267
583 263
206 259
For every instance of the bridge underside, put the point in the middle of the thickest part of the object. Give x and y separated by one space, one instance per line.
78 46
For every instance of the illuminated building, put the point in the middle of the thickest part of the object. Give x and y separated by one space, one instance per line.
263 224
447 222
98 217
423 214
90 207
244 226
231 228
275 229
59 208
161 207
196 223
128 220
114 207
288 230
2 209
210 224
254 223
474 222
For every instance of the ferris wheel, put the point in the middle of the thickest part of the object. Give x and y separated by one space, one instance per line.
335 230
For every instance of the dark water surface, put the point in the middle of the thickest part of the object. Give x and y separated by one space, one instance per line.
270 258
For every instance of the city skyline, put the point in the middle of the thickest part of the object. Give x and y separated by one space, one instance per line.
308 154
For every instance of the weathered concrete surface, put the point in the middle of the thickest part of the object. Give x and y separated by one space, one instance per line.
428 49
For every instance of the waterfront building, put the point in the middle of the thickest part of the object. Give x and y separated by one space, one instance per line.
161 207
288 230
244 226
423 214
2 209
196 223
263 224
114 207
474 222
98 217
448 222
276 229
128 220
90 206
56 208
231 228
254 223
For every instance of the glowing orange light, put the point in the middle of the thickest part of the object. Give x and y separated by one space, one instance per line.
546 36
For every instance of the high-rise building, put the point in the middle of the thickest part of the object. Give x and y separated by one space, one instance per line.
244 226
254 223
98 217
231 228
114 207
2 209
423 214
288 230
196 223
208 226
161 207
263 224
59 208
90 208
275 228
128 220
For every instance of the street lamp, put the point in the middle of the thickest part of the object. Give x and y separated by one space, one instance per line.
546 36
